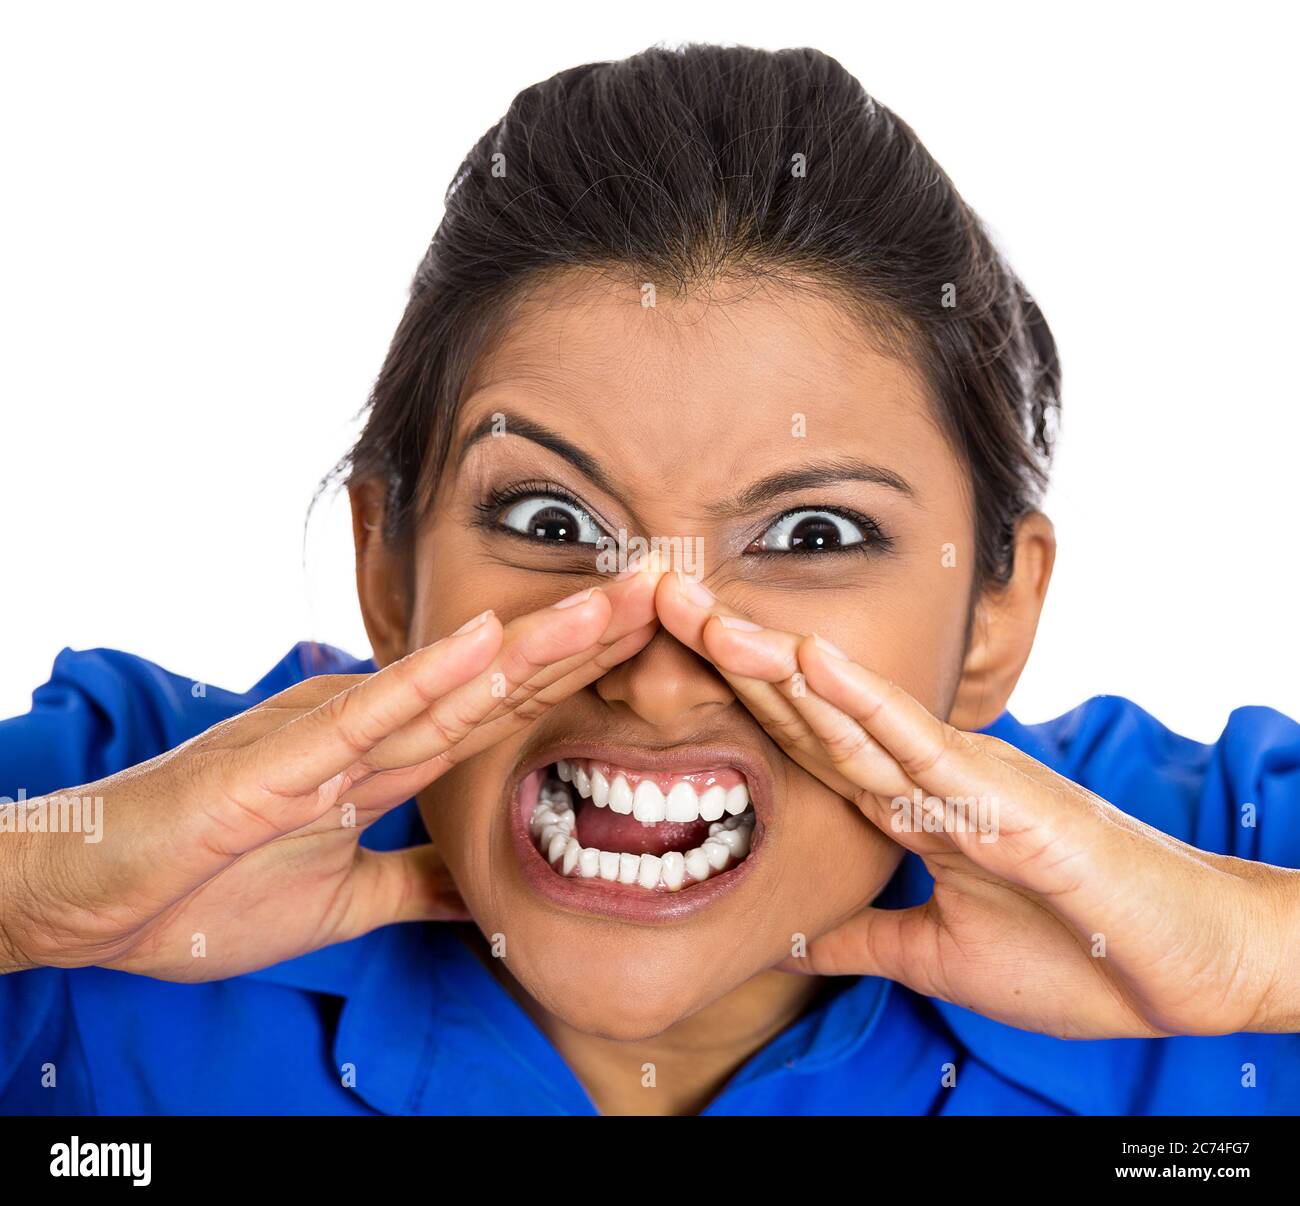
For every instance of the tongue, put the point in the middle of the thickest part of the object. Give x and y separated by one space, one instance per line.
623 833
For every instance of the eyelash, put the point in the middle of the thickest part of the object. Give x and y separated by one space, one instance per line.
489 510
499 498
874 539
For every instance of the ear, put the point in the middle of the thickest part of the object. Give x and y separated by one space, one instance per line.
383 587
1003 628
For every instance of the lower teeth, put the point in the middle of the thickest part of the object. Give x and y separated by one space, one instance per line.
552 827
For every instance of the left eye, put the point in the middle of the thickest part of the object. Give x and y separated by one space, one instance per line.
544 517
811 532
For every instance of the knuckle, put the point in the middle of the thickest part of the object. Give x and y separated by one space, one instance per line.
517 666
847 744
531 708
452 722
934 752
231 811
787 729
346 715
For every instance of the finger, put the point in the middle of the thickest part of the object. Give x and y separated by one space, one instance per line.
844 752
823 735
311 756
240 797
685 608
1048 835
526 712
826 739
1020 980
380 789
428 745
898 944
565 644
632 609
396 886
878 783
933 754
948 789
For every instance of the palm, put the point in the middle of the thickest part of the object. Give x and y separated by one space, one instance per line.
1000 949
275 903
1004 954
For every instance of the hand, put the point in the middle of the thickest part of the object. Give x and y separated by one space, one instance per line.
1075 919
248 835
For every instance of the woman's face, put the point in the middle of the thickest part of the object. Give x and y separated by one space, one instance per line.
761 427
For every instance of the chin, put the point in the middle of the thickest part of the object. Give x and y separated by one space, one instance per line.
624 997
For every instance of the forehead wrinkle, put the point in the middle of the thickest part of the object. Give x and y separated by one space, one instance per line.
554 374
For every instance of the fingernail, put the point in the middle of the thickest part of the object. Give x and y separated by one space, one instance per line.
826 647
696 592
643 563
573 600
739 624
477 622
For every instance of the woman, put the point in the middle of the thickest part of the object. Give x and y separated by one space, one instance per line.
737 825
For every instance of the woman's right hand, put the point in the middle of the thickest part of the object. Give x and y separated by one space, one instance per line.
240 848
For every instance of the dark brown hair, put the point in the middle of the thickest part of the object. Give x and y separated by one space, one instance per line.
680 165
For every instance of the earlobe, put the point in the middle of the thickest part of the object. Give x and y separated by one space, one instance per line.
382 586
1004 626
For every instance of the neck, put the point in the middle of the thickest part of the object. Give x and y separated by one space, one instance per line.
682 1069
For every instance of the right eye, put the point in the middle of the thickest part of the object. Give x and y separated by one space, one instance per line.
555 520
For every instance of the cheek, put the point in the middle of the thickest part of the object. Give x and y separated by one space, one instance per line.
468 822
835 861
909 626
454 581
918 642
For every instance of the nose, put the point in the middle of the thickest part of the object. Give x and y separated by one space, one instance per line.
667 685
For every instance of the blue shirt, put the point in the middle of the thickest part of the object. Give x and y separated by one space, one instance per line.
406 1020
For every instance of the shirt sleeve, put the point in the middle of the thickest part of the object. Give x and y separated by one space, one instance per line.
1251 794
101 711
1238 795
104 710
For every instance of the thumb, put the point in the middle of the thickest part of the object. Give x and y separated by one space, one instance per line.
400 885
898 944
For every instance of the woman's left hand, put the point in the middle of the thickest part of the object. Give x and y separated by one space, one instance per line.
1064 916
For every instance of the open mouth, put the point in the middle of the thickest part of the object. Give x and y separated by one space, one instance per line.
657 831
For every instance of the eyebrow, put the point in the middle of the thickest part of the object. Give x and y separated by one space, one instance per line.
786 481
819 473
584 462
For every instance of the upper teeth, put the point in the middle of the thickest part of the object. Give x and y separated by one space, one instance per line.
648 803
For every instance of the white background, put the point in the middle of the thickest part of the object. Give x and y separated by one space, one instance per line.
211 214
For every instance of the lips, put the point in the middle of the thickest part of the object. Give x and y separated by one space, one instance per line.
637 833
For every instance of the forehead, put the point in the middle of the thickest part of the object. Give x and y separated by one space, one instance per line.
714 382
